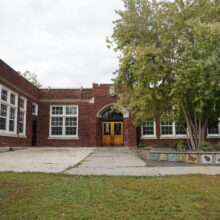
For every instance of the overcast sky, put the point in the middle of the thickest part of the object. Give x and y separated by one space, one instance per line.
62 41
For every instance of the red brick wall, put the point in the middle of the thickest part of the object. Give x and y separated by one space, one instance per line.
11 80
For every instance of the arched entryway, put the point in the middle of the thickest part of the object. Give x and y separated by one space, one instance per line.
112 128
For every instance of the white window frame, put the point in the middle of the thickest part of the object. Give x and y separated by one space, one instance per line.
148 136
64 115
7 103
214 135
36 109
24 110
173 135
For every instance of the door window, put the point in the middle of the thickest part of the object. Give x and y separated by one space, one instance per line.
117 129
107 129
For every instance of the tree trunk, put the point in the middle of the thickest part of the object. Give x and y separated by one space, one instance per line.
196 127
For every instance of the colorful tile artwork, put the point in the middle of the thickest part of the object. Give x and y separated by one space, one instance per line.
207 158
163 157
217 158
192 158
172 157
154 156
181 158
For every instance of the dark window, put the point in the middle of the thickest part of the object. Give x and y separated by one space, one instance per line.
117 129
110 115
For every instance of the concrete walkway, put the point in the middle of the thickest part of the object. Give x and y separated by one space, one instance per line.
90 161
124 161
43 159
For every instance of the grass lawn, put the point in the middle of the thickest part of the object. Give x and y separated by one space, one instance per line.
55 196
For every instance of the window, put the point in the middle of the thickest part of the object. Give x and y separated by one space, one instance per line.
8 111
64 121
214 129
34 109
22 116
171 129
148 129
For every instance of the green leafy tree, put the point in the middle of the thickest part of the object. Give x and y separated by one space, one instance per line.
169 62
31 77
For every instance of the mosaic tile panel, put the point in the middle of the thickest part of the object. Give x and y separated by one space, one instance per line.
154 156
181 158
217 158
192 158
163 157
172 157
207 159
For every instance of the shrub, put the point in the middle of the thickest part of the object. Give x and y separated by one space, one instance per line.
181 146
206 146
217 146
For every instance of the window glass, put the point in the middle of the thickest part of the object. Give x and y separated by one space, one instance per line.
117 129
148 128
2 123
57 110
12 98
71 110
4 95
8 110
180 130
213 129
22 104
166 128
107 129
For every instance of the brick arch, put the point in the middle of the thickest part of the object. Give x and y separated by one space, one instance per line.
108 106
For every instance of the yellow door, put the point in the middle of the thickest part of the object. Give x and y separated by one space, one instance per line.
112 133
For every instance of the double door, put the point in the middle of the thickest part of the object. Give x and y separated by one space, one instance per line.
112 133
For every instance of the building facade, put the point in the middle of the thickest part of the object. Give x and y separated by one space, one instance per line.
74 117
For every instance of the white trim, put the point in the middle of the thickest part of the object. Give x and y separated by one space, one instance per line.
154 136
63 138
64 115
7 103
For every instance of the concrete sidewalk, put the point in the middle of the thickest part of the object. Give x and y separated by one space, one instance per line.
43 159
125 162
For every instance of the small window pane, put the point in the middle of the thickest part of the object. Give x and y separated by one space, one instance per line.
214 129
56 130
21 127
71 110
12 113
58 110
12 99
70 130
57 122
3 110
4 95
11 125
21 117
34 109
71 122
180 130
2 123
22 104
